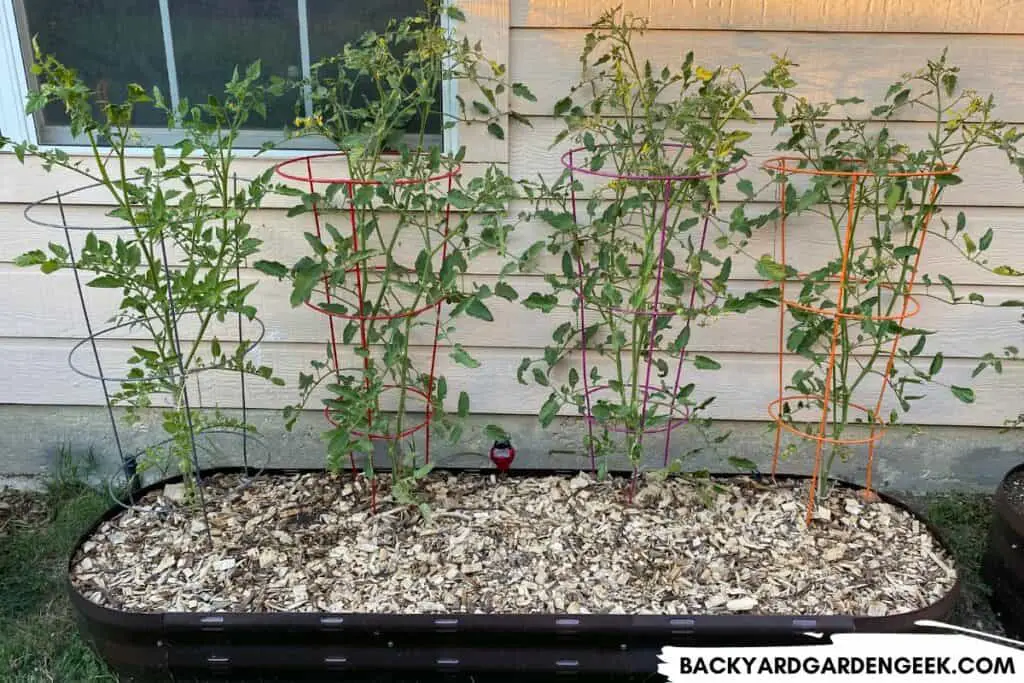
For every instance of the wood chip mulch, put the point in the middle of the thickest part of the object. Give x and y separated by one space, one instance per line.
21 511
551 544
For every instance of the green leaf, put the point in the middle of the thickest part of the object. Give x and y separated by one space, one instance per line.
505 291
318 247
903 253
1007 271
496 130
949 179
106 282
146 354
524 365
705 363
948 284
477 309
742 464
495 433
563 105
541 302
559 221
463 404
746 187
460 356
568 268
31 258
919 346
725 272
278 270
949 83
455 13
549 410
808 199
460 200
770 270
521 90
936 365
893 196
965 394
986 240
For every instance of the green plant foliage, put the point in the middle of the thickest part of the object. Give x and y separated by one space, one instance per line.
187 233
891 214
636 120
396 239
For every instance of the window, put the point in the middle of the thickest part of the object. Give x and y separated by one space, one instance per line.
188 48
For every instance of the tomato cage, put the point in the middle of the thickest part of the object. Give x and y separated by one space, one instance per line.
902 306
344 306
669 196
101 356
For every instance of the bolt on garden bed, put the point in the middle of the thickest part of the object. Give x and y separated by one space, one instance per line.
533 544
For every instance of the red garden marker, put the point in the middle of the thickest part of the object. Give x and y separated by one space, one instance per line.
502 455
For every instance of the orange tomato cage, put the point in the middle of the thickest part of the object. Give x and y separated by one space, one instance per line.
853 173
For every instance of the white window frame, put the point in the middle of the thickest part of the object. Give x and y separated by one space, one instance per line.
14 123
18 126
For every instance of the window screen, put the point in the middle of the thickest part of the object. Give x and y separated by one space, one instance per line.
189 47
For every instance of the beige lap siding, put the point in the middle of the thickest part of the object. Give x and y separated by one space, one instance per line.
844 48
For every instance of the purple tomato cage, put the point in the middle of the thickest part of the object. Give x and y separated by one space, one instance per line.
677 414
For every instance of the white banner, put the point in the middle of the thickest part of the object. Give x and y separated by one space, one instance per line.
963 656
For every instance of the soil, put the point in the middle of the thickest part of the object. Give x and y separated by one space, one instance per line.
551 544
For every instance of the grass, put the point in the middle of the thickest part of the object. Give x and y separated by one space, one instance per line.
38 637
39 640
964 520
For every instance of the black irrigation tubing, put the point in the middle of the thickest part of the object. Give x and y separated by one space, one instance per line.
250 473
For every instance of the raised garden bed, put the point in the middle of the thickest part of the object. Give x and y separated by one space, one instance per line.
556 565
1003 566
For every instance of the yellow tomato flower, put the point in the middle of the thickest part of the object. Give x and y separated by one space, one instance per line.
309 122
703 74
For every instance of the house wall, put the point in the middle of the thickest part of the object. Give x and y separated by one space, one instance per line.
843 47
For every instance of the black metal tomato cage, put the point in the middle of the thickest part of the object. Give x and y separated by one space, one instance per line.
127 478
